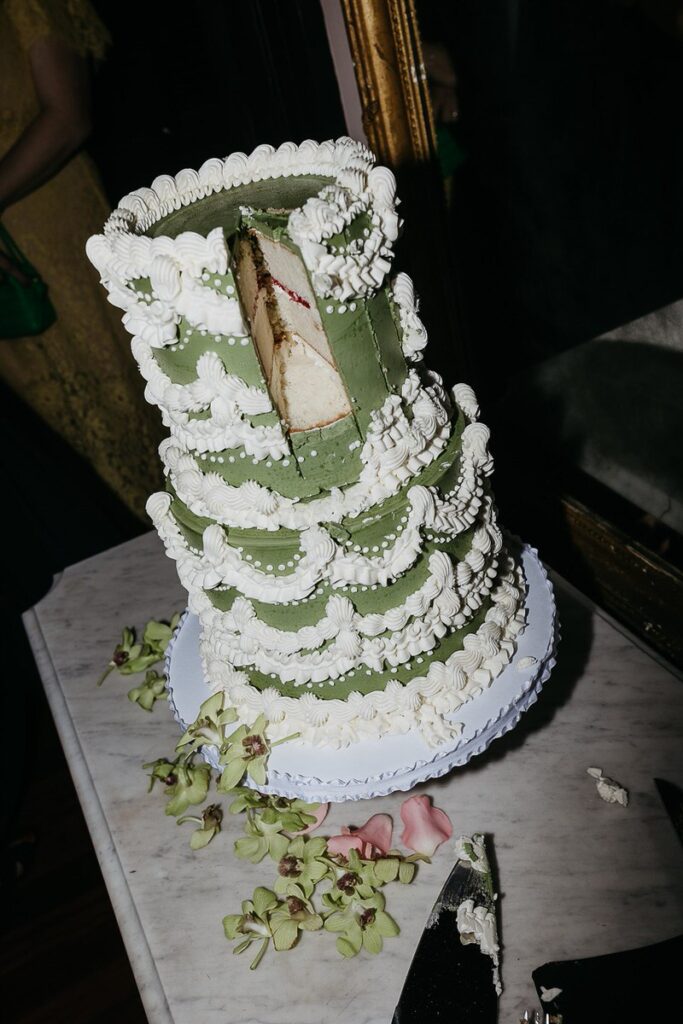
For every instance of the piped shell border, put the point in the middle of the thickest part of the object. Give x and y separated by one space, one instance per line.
407 777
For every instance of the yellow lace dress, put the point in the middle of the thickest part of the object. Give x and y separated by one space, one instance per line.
79 375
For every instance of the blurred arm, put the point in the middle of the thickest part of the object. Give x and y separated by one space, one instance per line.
59 129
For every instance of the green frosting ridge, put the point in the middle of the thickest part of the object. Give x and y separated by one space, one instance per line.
364 680
365 599
370 528
223 208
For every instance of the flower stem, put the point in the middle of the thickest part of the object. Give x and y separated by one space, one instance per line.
285 739
338 869
110 668
259 956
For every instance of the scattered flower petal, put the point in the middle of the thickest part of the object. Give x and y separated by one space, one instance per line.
320 814
342 844
376 834
373 839
426 826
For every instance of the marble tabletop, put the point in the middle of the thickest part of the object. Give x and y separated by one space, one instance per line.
577 877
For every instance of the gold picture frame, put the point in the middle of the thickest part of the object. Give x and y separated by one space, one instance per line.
387 55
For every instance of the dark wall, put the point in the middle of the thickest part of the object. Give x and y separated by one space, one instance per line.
215 78
568 211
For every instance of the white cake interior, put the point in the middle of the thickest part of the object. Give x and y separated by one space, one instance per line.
302 376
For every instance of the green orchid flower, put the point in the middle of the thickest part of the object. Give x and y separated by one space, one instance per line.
253 924
185 783
191 787
294 815
264 837
129 657
353 878
301 868
246 799
247 750
156 635
362 924
210 824
292 915
264 918
209 725
162 770
153 688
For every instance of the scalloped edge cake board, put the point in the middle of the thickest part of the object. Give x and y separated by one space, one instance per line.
398 762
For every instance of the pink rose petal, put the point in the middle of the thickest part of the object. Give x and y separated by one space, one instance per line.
373 839
320 816
426 827
342 845
376 832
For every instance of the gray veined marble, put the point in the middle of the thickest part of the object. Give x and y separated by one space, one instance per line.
577 876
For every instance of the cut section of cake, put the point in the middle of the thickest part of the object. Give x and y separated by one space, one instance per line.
280 307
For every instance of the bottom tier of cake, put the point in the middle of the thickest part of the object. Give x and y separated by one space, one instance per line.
410 735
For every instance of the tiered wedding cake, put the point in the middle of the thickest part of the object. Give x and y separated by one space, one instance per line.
326 501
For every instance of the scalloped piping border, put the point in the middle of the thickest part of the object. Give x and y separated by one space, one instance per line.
402 779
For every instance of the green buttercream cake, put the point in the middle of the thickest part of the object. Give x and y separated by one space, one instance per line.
327 501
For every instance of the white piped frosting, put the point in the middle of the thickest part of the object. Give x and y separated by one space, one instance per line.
395 450
423 704
413 330
356 186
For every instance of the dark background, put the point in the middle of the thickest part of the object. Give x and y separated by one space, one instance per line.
566 222
567 213
217 78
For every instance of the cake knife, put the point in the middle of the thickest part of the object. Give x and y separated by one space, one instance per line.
672 797
454 972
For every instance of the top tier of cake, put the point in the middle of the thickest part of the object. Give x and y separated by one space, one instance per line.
256 290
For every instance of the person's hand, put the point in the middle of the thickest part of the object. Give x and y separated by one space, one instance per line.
7 266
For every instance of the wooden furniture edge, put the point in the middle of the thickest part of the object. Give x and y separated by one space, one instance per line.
139 954
632 583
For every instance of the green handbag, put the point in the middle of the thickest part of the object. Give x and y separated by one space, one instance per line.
25 309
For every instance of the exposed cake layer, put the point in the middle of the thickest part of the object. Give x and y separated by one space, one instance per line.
206 361
300 370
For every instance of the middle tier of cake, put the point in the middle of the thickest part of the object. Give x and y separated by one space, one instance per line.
411 587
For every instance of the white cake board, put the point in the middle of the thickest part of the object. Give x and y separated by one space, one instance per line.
374 768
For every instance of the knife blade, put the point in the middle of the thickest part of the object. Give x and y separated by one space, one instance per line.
634 984
454 972
672 798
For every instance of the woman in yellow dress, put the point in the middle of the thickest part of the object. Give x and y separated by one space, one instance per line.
79 376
